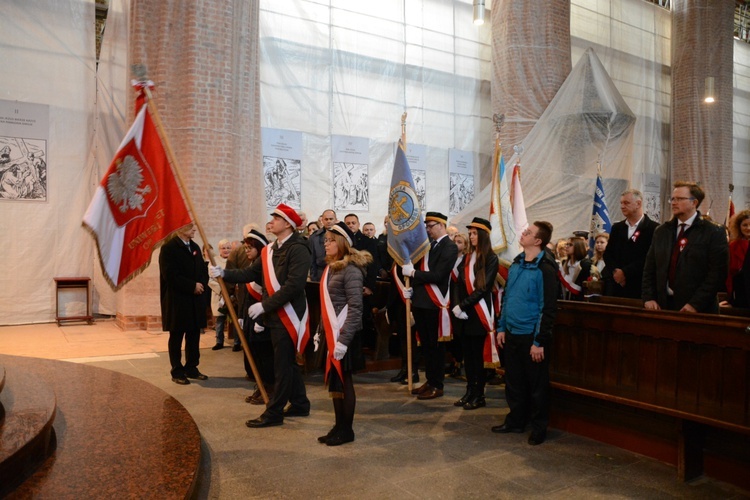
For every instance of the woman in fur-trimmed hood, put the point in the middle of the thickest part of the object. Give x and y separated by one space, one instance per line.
341 288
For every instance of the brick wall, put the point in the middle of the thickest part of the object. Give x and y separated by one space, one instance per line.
203 57
702 46
530 60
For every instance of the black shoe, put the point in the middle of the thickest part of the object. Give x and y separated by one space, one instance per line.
291 411
474 403
414 379
323 439
180 380
236 347
399 377
537 438
340 437
464 399
263 422
505 429
217 347
198 376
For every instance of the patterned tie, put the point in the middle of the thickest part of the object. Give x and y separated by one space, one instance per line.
675 254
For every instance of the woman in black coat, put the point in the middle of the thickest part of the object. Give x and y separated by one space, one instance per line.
476 279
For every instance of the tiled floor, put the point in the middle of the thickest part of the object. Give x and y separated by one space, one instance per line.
404 448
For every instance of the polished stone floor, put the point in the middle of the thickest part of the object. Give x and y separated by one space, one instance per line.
404 448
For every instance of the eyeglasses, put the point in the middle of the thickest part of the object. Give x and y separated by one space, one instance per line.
527 232
328 240
680 198
430 226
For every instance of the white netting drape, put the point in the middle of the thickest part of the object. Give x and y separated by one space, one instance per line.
613 108
352 68
48 57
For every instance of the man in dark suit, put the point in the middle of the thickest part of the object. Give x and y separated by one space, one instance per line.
182 281
626 250
316 245
284 307
688 259
430 298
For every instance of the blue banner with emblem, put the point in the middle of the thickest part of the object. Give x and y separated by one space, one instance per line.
407 236
600 222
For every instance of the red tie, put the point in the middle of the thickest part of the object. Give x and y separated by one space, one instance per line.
675 254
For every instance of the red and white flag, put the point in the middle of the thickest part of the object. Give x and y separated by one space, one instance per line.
137 204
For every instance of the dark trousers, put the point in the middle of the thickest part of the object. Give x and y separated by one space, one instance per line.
288 386
526 384
192 352
262 352
473 347
427 322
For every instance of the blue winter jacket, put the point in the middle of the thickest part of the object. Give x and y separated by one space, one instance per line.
530 298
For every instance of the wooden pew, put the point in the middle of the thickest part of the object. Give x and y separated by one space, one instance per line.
655 380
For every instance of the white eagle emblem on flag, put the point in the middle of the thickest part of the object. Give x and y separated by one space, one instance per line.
124 185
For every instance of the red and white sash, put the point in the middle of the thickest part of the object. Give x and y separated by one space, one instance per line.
255 290
298 329
571 287
454 272
486 316
332 324
445 332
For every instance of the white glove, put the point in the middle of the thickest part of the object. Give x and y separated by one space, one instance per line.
255 310
258 328
459 313
215 271
408 269
408 292
241 322
339 351
221 301
316 341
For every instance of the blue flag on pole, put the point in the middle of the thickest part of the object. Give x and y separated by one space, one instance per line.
600 222
407 236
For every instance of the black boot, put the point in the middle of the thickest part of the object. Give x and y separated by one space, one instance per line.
465 398
478 401
414 378
400 376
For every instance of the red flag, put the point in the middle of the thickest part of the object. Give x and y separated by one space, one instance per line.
137 204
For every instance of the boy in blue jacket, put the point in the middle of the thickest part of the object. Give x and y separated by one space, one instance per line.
525 331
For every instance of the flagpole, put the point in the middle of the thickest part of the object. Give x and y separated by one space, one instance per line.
407 280
189 202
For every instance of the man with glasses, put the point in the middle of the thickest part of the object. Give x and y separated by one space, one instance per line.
688 259
430 298
627 247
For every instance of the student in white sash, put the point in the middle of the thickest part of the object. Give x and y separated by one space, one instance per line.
282 268
341 287
474 310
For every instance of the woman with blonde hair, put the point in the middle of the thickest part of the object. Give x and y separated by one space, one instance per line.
341 287
600 245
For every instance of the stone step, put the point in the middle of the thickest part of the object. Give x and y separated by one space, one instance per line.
117 436
27 437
